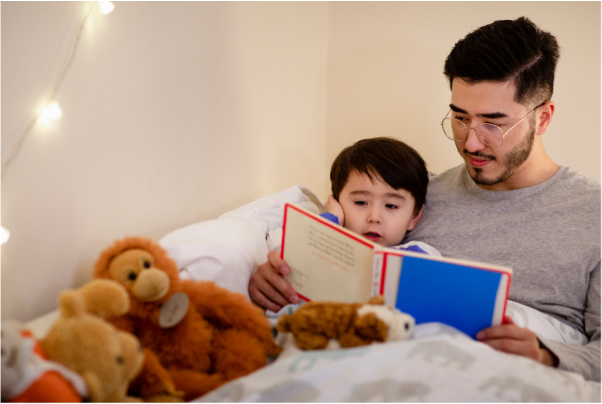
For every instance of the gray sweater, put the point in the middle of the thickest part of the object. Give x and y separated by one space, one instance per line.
549 234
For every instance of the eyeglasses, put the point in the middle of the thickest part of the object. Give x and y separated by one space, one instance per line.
488 133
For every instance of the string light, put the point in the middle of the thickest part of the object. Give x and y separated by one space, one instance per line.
105 7
52 111
4 235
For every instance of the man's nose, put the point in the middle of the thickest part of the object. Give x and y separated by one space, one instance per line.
473 143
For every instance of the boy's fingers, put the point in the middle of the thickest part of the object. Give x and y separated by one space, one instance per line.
263 288
260 299
271 285
271 292
282 288
278 263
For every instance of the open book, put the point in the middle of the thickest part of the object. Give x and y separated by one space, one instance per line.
331 263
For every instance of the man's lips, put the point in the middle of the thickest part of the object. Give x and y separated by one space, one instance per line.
476 162
372 236
478 159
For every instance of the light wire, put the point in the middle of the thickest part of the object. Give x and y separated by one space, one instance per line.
15 151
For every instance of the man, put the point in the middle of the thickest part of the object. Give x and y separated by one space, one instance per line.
509 203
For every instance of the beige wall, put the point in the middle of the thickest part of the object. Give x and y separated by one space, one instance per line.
385 64
177 112
173 113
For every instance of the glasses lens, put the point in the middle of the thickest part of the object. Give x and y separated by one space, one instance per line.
454 129
490 134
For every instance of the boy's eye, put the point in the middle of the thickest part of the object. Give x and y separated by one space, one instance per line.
391 206
360 203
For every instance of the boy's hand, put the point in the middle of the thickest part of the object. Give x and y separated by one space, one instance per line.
268 288
334 207
516 340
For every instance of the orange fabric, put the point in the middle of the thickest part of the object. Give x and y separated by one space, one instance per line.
50 387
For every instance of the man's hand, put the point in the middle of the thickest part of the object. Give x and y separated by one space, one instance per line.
268 288
516 340
334 207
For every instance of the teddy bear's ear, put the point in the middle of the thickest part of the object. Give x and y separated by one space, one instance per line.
380 299
71 304
284 323
105 298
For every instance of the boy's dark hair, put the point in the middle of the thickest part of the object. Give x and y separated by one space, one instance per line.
395 162
505 50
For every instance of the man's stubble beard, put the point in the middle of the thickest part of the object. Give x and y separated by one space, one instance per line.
514 159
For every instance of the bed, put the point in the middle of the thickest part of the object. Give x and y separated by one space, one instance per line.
437 364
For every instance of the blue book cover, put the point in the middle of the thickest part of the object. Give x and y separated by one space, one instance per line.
466 295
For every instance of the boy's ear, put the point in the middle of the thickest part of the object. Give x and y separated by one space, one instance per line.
415 219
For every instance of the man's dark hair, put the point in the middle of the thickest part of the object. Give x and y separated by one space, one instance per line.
507 50
395 162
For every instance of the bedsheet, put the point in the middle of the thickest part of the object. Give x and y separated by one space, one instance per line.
439 364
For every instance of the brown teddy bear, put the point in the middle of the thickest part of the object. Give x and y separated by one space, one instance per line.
314 324
197 335
81 340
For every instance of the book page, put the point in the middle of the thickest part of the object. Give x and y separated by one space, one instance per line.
327 262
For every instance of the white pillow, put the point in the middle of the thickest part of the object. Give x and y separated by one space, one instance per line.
227 250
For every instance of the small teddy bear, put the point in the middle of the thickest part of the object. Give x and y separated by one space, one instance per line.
314 324
196 335
84 342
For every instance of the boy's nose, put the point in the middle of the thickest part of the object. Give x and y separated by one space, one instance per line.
374 216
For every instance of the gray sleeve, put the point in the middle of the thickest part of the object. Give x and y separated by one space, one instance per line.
584 360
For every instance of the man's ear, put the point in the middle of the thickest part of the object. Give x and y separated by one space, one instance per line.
545 117
415 218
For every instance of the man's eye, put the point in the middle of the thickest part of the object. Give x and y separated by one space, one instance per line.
360 203
391 206
460 118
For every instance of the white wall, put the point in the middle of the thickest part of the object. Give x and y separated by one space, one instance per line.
385 65
173 113
176 112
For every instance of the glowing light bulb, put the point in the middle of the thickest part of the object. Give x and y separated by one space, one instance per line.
4 235
52 112
105 7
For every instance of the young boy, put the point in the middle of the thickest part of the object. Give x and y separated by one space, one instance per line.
378 191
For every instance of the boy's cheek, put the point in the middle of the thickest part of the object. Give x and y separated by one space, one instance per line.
351 221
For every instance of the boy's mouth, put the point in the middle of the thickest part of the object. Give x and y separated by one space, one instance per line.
372 236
